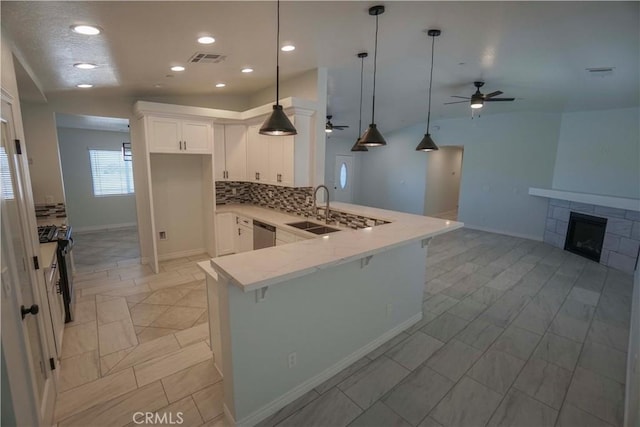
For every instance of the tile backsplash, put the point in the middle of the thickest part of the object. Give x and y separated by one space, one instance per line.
50 211
296 201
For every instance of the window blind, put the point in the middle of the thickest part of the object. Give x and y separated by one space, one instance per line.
111 174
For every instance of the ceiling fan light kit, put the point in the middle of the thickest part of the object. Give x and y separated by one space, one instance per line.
372 136
427 143
278 123
478 99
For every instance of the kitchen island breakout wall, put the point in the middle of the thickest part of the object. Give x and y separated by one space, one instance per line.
287 318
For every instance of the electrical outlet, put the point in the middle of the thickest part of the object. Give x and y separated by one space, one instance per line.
292 359
389 310
163 235
309 200
234 191
371 222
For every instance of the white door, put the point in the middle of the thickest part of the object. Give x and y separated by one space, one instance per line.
245 239
225 227
343 179
23 337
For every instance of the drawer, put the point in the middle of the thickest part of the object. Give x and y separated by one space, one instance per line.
244 221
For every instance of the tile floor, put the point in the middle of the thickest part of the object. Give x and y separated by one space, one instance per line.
104 247
515 333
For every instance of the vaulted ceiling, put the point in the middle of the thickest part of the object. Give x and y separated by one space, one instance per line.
537 52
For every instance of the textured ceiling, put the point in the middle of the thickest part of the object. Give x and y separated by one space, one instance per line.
536 52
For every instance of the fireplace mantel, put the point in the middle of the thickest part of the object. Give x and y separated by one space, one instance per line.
592 199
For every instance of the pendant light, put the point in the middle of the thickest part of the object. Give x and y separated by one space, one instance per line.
356 146
278 123
427 143
372 137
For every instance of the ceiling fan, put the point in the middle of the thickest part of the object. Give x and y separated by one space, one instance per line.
478 99
329 127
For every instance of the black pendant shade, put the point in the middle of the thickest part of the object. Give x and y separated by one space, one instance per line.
278 123
357 147
372 136
427 144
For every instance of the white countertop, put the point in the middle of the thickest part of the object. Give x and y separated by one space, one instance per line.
257 269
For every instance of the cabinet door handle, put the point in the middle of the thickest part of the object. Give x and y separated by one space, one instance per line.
279 178
238 231
185 145
180 144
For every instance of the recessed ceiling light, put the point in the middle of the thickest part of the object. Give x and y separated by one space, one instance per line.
220 84
206 40
84 85
177 68
288 48
88 30
247 70
85 66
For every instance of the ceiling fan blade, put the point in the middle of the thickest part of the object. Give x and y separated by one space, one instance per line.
340 127
499 99
492 94
463 97
456 102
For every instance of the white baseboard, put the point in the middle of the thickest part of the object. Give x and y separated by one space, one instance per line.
90 228
181 254
506 233
311 383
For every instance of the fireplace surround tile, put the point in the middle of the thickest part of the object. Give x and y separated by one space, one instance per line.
619 226
622 234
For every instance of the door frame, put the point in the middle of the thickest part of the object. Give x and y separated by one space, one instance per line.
19 381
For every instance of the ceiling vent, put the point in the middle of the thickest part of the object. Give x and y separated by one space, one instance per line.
207 58
600 71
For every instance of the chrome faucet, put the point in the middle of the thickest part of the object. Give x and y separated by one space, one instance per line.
315 207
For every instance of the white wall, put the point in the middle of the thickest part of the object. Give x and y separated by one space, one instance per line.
393 177
504 155
301 86
177 185
632 393
85 210
444 169
599 153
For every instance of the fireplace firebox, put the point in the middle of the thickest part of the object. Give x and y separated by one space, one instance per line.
585 235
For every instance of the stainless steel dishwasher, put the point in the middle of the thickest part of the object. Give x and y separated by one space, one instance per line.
264 235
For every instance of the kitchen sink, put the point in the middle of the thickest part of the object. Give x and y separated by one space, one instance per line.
322 230
304 225
313 227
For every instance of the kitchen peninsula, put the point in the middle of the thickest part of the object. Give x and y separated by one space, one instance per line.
284 319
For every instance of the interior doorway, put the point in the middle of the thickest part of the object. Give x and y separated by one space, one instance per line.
97 171
442 189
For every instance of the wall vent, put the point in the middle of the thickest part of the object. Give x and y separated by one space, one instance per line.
600 71
207 58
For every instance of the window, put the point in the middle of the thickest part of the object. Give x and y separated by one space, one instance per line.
343 176
111 174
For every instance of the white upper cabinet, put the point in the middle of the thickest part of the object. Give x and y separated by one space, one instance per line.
257 155
231 152
173 135
272 159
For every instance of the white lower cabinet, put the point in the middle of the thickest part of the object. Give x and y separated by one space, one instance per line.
244 234
225 233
